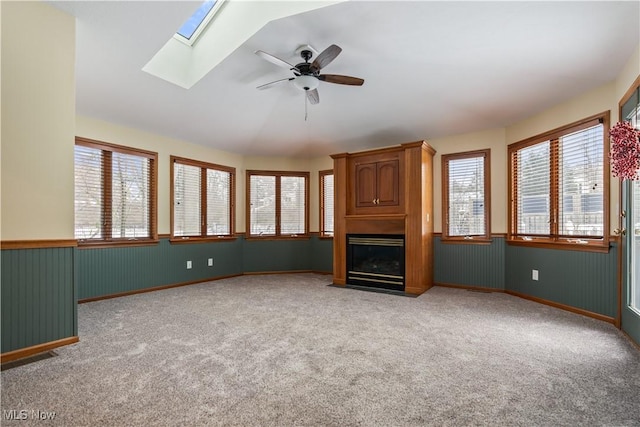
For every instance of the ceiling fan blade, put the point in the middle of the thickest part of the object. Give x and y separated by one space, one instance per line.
341 80
327 55
268 85
312 96
275 60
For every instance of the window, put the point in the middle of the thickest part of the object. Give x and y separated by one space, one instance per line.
466 193
559 186
201 200
193 27
115 193
277 204
326 203
630 204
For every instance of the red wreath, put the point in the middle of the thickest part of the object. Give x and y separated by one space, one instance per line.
625 151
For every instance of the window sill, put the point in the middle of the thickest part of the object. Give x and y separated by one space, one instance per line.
193 240
562 245
115 243
325 237
289 237
479 240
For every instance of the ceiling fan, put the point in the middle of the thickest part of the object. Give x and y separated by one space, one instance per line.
306 76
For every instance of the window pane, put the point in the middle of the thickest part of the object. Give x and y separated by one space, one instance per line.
129 196
218 202
186 200
88 193
195 20
533 201
292 204
466 197
581 186
327 204
633 241
263 205
632 206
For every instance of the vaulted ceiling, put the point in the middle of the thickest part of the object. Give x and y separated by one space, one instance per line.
430 69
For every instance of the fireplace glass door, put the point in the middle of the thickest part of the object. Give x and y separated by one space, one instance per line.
376 261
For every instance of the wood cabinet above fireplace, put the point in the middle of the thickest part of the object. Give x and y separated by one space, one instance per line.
377 183
387 191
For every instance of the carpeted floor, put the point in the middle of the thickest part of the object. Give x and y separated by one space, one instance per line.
285 350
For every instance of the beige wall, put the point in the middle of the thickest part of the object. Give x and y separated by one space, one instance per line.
629 74
38 106
165 147
39 125
494 139
593 102
603 98
600 99
283 164
313 166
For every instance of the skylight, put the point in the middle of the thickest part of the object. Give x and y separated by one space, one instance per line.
197 22
184 62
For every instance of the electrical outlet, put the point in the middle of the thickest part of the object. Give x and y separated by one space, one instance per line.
210 262
188 265
534 274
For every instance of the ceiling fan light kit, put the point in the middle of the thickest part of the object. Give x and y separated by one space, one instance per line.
307 75
306 82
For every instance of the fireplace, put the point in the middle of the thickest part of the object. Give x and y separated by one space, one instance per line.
376 260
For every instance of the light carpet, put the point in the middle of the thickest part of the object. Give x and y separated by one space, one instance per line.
285 350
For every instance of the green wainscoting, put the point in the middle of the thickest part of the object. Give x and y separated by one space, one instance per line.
321 255
276 255
584 280
477 265
40 287
108 271
38 297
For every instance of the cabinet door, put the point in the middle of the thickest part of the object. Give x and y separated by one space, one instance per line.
388 183
366 184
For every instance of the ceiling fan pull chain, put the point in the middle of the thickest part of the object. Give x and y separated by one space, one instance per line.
306 102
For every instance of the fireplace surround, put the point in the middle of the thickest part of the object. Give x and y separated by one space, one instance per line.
378 193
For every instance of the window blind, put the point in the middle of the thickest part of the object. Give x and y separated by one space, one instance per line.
89 203
466 197
292 205
129 196
559 186
218 202
580 183
263 205
327 204
532 172
186 200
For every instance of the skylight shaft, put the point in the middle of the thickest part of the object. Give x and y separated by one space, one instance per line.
197 22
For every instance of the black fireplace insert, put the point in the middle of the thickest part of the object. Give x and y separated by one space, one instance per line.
376 260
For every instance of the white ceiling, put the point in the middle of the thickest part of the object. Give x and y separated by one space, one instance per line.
431 69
